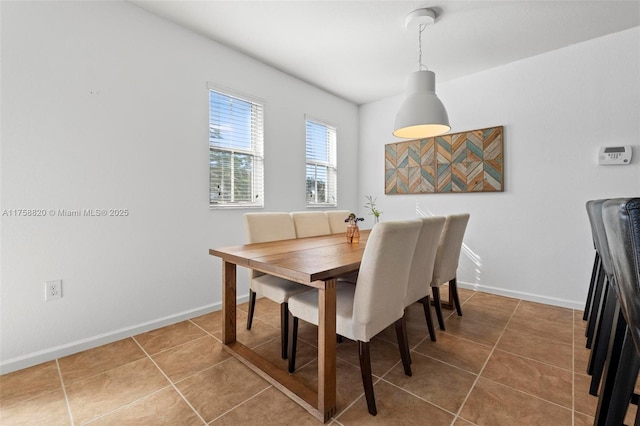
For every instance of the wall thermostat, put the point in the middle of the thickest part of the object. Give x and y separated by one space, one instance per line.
614 155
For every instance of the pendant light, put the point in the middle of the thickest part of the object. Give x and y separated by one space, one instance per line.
422 114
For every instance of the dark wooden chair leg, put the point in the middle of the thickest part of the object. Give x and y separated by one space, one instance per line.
597 303
284 328
592 286
403 344
601 339
293 342
252 307
625 381
427 315
610 405
367 380
438 306
453 295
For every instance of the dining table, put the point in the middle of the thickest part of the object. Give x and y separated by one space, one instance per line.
316 262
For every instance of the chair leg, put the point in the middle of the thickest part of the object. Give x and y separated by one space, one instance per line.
625 381
453 294
438 306
293 342
367 380
596 307
426 302
403 344
620 376
592 285
601 339
284 328
252 307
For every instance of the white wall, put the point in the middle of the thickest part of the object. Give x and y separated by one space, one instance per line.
532 241
105 106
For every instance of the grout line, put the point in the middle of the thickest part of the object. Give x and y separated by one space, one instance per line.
338 415
303 365
377 379
381 378
455 336
64 391
171 382
389 370
240 404
529 394
204 369
420 398
197 372
128 404
570 369
462 303
91 376
486 362
176 346
446 363
205 330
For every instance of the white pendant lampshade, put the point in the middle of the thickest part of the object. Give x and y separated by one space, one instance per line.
422 114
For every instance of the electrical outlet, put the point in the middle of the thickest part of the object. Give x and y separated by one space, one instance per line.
52 290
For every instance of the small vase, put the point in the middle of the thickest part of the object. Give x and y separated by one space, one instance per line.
353 234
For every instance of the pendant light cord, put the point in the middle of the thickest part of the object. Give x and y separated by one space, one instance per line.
420 65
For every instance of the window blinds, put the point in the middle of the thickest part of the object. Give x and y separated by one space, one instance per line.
236 151
321 164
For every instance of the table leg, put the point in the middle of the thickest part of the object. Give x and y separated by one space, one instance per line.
327 350
228 302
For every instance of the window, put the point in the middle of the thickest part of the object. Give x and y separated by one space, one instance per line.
236 153
321 164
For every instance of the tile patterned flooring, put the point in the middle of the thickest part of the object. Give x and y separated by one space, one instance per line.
505 362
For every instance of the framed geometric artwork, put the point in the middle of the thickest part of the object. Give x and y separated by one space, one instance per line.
470 161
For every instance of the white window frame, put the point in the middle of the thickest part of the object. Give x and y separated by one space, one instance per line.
331 186
256 152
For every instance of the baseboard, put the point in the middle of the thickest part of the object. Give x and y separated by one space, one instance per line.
571 304
50 354
56 352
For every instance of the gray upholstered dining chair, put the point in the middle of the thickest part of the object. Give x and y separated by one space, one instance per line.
621 219
311 224
596 272
607 303
445 269
422 267
260 228
374 303
598 285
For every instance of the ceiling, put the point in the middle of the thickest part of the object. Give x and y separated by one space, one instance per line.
361 50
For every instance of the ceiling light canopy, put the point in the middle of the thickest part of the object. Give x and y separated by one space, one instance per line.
422 114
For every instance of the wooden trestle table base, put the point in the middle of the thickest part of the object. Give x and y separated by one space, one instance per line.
315 262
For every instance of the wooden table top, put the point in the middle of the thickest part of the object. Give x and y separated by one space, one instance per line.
304 260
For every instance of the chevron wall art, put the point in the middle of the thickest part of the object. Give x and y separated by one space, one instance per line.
459 162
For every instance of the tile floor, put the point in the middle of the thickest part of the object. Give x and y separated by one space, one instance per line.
505 362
